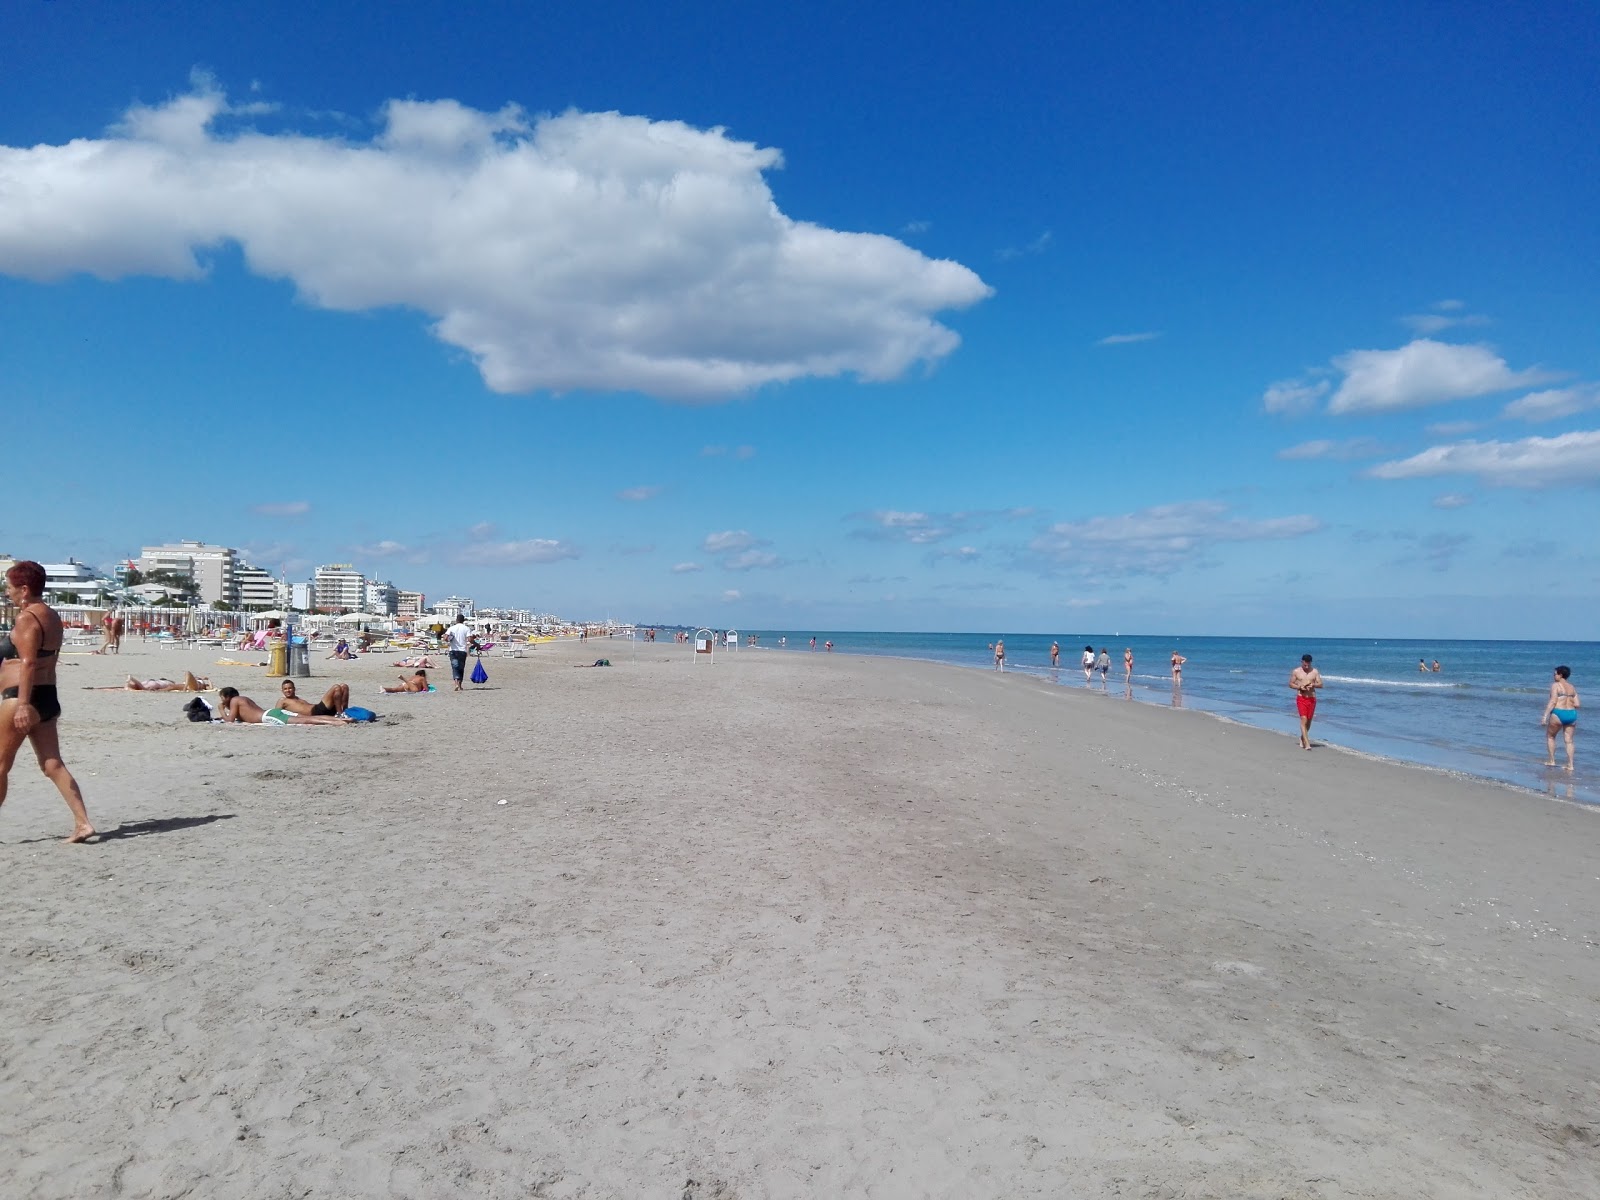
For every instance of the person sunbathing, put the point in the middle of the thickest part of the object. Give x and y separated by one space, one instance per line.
416 683
332 704
190 683
241 710
342 650
417 660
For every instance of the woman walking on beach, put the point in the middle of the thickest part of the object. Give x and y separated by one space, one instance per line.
1127 663
29 705
1103 665
1560 715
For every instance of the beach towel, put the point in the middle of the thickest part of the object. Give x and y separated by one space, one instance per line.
479 675
360 714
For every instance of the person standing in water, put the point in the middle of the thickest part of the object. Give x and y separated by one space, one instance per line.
1560 715
1305 680
1103 665
999 656
1087 663
1177 667
1055 655
1127 663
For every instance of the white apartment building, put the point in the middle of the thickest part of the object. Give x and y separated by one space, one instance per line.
382 598
298 596
451 607
211 568
73 578
339 588
256 587
411 604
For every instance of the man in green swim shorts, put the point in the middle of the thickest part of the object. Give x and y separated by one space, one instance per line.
241 710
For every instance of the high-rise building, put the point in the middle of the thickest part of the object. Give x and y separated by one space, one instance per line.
382 598
256 588
411 604
210 568
340 588
451 606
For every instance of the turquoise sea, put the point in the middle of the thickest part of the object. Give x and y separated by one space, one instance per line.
1478 715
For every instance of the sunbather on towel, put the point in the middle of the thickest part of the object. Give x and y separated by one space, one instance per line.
241 710
417 660
333 703
191 683
416 683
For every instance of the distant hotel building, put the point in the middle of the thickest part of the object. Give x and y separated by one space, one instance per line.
339 588
411 604
211 568
452 606
255 588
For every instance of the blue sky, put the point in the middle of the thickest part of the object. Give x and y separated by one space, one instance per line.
1004 318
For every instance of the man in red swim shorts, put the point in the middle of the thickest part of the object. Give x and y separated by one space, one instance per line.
1305 680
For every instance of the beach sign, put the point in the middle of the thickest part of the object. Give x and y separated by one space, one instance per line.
704 641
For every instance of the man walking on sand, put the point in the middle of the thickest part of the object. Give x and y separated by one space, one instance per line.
1305 680
458 638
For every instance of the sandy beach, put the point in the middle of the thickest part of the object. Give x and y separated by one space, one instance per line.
784 925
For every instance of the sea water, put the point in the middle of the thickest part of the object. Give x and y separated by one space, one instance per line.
1478 715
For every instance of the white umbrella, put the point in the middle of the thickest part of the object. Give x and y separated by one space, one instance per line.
359 619
272 615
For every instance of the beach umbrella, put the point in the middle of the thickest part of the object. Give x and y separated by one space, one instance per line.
271 615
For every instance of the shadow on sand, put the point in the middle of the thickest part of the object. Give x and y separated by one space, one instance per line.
133 829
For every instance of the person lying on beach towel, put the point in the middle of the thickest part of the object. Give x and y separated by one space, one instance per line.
333 703
241 710
416 683
417 660
599 662
190 683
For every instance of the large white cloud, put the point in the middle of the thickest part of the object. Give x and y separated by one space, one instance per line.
1160 540
1535 462
585 250
1422 372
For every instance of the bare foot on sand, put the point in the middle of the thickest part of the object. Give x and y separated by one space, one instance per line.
82 834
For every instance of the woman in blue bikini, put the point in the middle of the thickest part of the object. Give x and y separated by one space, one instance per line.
29 704
1560 715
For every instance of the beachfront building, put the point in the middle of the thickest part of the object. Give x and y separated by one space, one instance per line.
256 588
210 568
410 604
383 598
73 582
298 596
339 588
451 607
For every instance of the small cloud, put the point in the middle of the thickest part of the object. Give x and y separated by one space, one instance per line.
387 548
1338 451
893 525
744 453
514 554
1038 246
958 553
483 529
287 508
1159 540
1294 395
751 560
1452 500
713 451
915 227
1446 314
1449 305
1535 462
686 568
645 492
1127 339
1553 404
731 595
730 541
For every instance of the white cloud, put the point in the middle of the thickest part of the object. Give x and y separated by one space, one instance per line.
750 560
729 541
1451 500
1160 540
1126 339
1338 451
482 530
1445 314
958 553
1535 462
1554 403
1422 372
915 227
289 508
686 568
892 525
713 451
731 594
646 492
1038 246
584 250
1294 395
387 548
514 554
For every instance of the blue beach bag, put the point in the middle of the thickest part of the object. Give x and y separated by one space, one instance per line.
479 675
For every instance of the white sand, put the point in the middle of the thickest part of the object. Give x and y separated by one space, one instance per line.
788 925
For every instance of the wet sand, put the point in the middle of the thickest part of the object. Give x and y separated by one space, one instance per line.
785 925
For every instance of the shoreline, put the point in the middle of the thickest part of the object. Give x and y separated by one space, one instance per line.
781 927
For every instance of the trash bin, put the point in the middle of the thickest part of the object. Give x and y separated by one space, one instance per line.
299 658
277 659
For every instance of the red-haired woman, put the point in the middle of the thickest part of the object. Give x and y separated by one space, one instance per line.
28 702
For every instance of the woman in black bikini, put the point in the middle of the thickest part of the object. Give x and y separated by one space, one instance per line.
28 702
